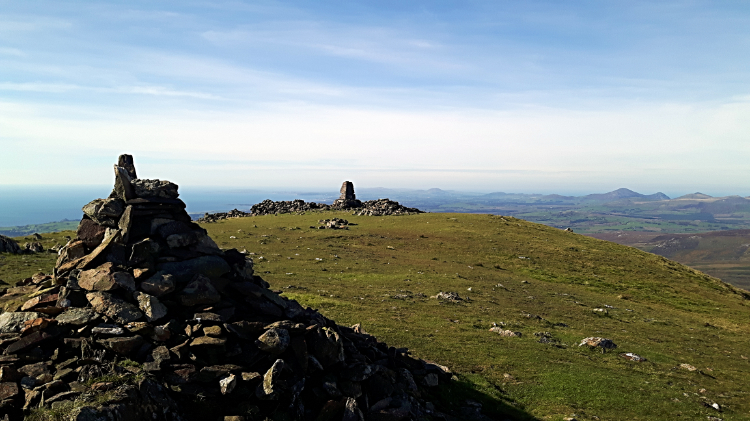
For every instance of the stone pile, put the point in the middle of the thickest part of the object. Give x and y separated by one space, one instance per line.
9 245
215 217
347 199
269 207
145 317
384 207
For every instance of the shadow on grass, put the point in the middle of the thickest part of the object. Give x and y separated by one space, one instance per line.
464 399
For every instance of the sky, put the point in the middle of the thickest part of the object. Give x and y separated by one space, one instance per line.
515 96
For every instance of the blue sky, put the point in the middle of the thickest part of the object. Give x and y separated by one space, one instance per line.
524 96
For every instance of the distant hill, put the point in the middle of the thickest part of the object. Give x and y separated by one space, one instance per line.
695 195
624 193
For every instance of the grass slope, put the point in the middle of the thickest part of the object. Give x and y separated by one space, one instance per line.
382 271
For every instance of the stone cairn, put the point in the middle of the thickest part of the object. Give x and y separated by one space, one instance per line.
269 207
383 207
215 217
145 317
347 199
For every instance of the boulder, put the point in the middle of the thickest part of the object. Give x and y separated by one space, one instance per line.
9 245
114 307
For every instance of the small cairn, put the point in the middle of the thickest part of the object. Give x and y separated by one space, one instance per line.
144 317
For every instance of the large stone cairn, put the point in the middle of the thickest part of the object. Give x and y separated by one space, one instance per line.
145 317
348 199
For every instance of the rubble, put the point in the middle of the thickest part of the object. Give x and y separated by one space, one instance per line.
384 207
269 207
220 216
334 223
145 317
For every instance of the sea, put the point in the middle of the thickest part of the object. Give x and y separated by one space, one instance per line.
25 205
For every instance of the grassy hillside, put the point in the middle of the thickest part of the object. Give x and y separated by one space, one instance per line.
723 254
531 278
383 270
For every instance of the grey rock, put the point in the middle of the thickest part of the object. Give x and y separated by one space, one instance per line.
274 341
227 384
122 345
199 291
150 305
126 161
105 212
155 188
123 189
275 381
114 307
90 232
13 321
9 245
76 316
158 285
209 266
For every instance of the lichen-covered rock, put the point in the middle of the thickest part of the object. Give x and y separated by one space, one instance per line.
114 307
155 188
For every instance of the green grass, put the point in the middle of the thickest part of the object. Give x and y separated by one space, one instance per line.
15 267
39 228
562 279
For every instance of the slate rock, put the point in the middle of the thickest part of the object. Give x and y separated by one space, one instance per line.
159 284
8 390
90 232
122 345
98 279
199 291
275 381
209 266
274 341
105 212
114 307
150 305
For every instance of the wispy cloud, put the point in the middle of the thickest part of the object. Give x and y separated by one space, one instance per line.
60 88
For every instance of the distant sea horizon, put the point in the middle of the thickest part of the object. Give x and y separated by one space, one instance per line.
26 205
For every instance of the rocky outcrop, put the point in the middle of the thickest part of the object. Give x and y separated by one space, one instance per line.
9 245
146 318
